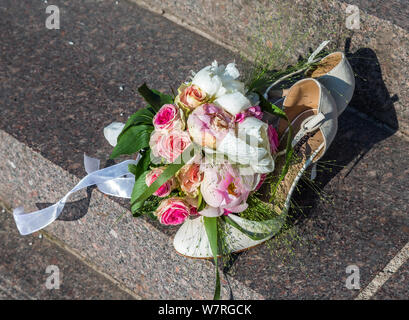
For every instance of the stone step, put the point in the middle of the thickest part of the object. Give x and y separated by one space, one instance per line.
59 88
33 268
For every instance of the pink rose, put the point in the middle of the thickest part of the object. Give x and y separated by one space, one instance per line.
165 189
193 211
190 177
273 138
168 117
169 145
250 112
208 125
173 211
190 97
240 117
255 112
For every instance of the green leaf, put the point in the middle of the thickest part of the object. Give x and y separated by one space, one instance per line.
201 204
149 207
258 82
154 97
133 168
142 165
133 140
152 216
146 159
273 225
142 116
138 188
210 224
271 108
168 173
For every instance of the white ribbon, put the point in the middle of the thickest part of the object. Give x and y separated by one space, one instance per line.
115 180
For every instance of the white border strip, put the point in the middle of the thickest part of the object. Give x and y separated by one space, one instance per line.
385 274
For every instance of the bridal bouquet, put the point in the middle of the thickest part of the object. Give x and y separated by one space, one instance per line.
218 159
203 154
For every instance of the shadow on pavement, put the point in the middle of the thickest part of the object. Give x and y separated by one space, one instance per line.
75 210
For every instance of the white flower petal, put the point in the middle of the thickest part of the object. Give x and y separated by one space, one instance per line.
221 92
250 146
215 65
210 195
250 179
254 127
217 80
239 208
266 165
207 81
231 86
112 131
233 102
232 71
211 212
254 98
238 150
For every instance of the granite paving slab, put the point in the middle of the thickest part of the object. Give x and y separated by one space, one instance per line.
24 263
59 88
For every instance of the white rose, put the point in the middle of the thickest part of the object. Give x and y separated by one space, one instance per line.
250 146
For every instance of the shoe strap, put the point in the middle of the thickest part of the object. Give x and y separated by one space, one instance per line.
309 125
317 51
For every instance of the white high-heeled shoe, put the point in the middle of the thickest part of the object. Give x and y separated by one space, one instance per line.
312 112
336 74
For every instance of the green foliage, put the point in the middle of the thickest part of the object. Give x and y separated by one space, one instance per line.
142 165
137 131
289 151
141 192
201 204
149 207
138 188
258 210
142 116
271 108
211 231
132 140
155 99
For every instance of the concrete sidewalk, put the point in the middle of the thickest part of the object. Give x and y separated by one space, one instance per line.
59 88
